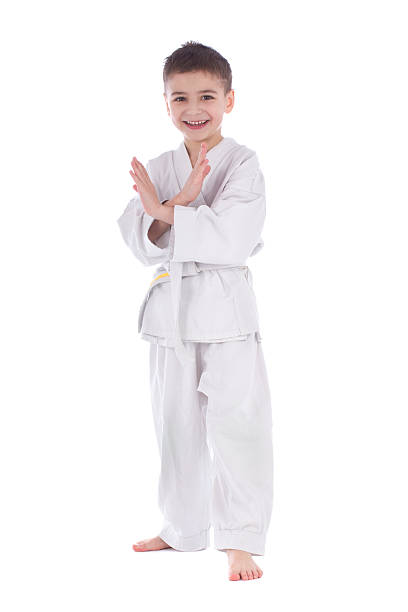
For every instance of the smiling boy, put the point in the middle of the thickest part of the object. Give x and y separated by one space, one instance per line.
199 213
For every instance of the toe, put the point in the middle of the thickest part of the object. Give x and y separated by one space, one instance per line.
244 575
234 576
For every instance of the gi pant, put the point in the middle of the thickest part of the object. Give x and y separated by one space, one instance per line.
219 403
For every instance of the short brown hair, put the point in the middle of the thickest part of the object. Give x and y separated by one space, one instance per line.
192 56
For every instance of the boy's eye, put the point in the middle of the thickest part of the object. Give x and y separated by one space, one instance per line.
182 97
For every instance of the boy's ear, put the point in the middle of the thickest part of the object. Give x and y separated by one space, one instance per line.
229 101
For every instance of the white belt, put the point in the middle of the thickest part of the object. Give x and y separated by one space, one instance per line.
178 269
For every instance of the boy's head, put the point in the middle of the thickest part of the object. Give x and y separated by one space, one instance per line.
197 86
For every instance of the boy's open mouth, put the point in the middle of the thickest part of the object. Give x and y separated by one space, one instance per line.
196 125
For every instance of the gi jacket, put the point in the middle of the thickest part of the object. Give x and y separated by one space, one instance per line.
202 289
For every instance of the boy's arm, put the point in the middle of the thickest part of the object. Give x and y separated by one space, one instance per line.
134 225
229 231
160 226
145 235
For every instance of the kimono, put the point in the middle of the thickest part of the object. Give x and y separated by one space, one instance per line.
209 386
202 289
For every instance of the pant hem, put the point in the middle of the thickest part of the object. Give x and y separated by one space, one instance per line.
249 541
199 541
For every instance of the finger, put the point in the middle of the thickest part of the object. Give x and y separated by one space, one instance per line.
140 169
135 163
199 157
139 174
144 172
203 167
204 172
137 179
203 151
198 162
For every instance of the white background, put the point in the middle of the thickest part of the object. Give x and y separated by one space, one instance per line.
321 95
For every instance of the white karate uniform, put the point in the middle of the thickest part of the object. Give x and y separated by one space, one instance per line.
209 385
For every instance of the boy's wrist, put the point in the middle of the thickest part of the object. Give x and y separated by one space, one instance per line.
178 200
165 213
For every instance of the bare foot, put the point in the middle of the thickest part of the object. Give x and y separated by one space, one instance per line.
150 544
242 566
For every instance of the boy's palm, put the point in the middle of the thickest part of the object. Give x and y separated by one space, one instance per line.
194 182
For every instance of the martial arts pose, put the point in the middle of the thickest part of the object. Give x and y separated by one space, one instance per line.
198 213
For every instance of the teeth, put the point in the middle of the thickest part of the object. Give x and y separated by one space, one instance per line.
196 122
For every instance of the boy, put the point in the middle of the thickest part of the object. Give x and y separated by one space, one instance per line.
199 212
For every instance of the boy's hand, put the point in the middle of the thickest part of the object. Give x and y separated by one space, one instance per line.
145 187
194 182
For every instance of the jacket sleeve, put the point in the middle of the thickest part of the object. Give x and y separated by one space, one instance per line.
134 224
229 231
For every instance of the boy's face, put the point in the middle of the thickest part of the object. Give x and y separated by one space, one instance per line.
194 96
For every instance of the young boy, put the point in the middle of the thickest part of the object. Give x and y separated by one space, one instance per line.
199 212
